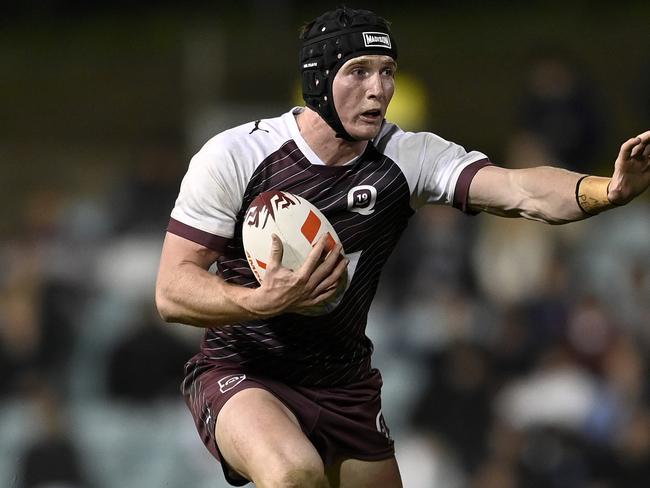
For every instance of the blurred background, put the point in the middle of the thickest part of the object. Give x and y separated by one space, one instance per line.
514 354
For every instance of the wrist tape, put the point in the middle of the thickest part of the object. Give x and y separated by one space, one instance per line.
591 194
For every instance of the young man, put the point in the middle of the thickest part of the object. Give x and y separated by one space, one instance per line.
284 399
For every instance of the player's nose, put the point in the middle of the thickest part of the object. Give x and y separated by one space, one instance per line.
375 88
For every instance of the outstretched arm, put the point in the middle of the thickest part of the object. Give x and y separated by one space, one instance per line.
558 196
187 293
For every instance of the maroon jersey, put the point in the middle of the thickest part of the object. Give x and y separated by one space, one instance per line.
368 201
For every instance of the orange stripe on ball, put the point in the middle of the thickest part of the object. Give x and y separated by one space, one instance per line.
330 243
310 228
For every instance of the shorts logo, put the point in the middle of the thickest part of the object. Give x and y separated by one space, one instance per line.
361 199
208 417
381 425
229 382
376 39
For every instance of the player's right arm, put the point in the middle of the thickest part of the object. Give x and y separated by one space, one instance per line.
186 292
558 196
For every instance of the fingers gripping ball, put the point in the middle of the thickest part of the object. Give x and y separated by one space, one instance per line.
299 225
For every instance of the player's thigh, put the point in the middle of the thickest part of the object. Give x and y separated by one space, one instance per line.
259 437
354 473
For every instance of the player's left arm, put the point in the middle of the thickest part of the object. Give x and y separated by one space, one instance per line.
558 196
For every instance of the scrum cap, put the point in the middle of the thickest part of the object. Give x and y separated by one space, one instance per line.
327 43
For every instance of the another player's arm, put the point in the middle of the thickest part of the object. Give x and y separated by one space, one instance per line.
558 196
186 292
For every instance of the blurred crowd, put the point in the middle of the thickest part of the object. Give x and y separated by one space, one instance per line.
514 354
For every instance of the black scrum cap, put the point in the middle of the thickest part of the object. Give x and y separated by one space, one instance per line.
328 42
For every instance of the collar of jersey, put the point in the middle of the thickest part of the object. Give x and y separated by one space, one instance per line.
302 144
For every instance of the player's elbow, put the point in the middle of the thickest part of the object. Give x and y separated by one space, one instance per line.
165 306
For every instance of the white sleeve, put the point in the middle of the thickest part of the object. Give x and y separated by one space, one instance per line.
443 162
437 170
210 195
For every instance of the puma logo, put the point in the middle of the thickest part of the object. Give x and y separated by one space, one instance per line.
257 127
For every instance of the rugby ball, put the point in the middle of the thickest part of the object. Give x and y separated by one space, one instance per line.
299 225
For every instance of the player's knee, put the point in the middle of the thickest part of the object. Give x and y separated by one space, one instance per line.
298 473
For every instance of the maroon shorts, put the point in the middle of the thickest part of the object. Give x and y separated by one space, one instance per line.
341 422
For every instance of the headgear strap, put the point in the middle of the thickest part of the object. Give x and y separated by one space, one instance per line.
331 40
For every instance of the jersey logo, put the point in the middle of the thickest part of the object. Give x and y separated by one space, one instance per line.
361 199
257 127
229 382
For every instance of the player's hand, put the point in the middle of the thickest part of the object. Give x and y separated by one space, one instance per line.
327 270
285 290
631 171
